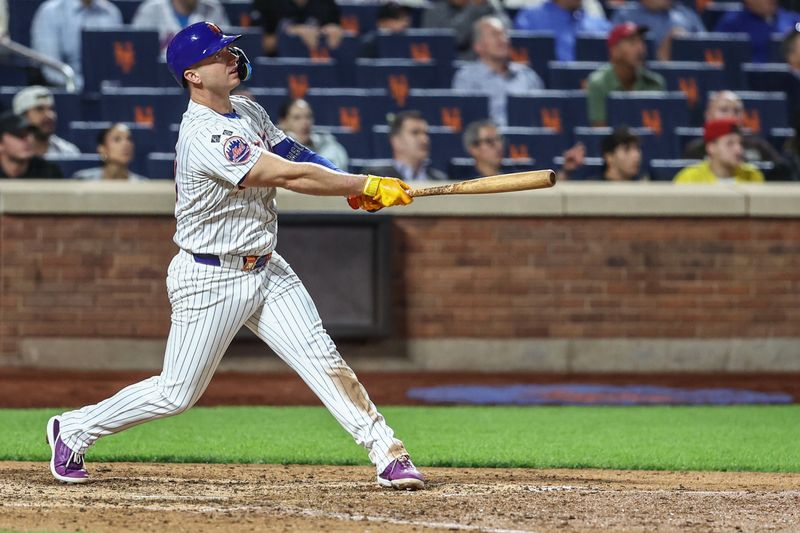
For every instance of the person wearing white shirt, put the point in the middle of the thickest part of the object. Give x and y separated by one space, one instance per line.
171 16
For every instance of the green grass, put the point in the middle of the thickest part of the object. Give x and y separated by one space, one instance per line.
756 438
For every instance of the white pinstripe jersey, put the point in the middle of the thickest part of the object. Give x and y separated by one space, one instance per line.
213 155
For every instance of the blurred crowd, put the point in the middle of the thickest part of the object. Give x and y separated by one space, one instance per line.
727 150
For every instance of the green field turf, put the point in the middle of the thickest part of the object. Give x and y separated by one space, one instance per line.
758 438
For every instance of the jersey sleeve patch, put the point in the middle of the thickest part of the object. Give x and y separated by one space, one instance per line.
237 150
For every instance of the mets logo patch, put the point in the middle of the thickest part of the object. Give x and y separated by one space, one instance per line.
237 151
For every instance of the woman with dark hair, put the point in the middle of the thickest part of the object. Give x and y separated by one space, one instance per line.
116 150
297 120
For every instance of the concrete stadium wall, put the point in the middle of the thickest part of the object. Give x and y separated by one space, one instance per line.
582 277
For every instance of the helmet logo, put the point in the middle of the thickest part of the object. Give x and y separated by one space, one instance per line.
213 27
237 151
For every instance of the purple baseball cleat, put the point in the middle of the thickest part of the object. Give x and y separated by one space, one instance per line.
402 474
66 465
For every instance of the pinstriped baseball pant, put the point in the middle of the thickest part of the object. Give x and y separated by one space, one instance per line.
209 305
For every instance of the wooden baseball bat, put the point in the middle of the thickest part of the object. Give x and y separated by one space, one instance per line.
517 181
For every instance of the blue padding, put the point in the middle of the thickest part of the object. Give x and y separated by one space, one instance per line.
292 150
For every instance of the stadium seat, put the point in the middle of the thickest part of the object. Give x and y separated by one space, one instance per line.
694 79
764 110
161 165
685 135
776 49
558 110
533 48
397 76
592 168
445 107
421 46
728 50
13 73
714 11
356 109
296 75
271 100
766 76
445 145
540 144
250 42
20 17
566 75
127 8
119 57
358 17
149 106
344 55
238 12
661 112
463 168
665 169
84 136
70 164
592 139
594 47
779 137
357 143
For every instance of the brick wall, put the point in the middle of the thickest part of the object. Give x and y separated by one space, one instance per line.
83 276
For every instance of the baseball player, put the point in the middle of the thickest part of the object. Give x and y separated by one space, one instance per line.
230 159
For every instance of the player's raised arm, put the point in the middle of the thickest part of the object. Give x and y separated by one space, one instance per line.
368 192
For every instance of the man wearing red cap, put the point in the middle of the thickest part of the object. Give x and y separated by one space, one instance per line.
624 71
725 157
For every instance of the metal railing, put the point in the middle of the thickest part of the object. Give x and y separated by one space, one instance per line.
39 59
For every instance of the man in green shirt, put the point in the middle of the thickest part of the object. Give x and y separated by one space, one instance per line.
624 71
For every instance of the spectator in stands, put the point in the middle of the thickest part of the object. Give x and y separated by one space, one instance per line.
116 150
728 105
622 155
791 54
16 151
493 73
484 143
724 163
664 18
392 18
565 18
56 31
3 18
460 16
624 72
308 19
169 17
37 105
760 19
297 120
411 148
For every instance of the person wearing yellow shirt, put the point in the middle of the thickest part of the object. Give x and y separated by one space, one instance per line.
724 161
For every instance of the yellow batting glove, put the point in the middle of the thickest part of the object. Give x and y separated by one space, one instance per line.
385 192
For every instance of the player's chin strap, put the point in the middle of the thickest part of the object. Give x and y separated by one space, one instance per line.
242 64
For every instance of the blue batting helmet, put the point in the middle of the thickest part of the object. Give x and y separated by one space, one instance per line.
193 44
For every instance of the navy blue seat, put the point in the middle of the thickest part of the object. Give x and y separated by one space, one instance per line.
250 42
445 107
592 139
463 168
592 169
397 76
540 144
421 45
764 110
727 50
533 48
356 109
70 164
127 8
666 169
358 17
20 16
594 47
161 166
13 73
684 136
776 49
357 143
238 12
445 145
558 110
296 75
154 107
345 54
694 79
121 57
661 112
714 11
766 76
571 74
270 99
84 136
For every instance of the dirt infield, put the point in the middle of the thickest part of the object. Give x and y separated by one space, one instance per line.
232 498
49 388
